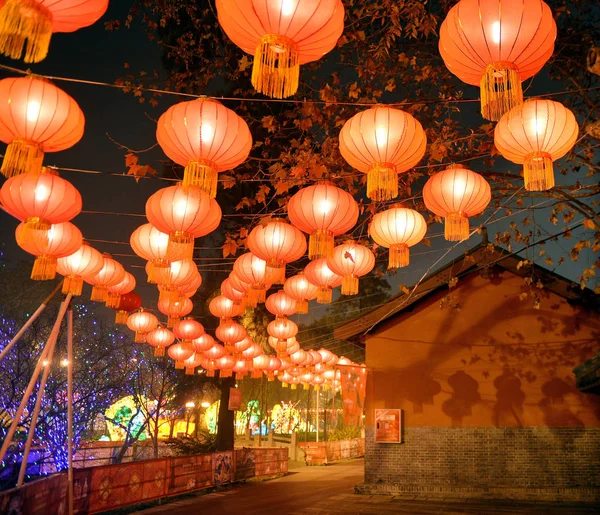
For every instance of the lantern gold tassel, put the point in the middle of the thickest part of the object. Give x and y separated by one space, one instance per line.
139 338
44 268
99 294
155 268
171 321
179 365
538 172
456 227
257 294
320 245
276 68
121 318
399 256
159 351
25 25
180 244
189 371
293 387
73 284
501 90
22 156
349 285
276 273
324 295
203 175
302 307
382 182
113 300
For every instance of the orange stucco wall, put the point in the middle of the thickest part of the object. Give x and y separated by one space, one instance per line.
491 361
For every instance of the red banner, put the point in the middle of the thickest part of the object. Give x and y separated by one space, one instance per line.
354 383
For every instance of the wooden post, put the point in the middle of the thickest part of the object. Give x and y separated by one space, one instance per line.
318 393
270 439
70 407
293 444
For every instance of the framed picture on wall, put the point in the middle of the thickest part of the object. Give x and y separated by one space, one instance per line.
388 425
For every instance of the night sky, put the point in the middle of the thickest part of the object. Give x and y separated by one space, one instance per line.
96 54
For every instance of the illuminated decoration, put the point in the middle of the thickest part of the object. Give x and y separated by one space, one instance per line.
181 213
281 35
242 345
160 338
175 309
126 285
179 352
282 329
210 358
382 142
188 330
211 416
224 308
233 294
151 244
298 357
86 262
61 240
225 365
125 413
456 194
35 117
204 137
26 26
351 260
177 276
277 243
111 274
328 357
190 364
323 211
497 44
398 228
40 200
230 332
142 322
280 304
253 270
190 289
298 288
273 364
203 343
283 347
129 302
252 352
320 275
248 418
535 134
353 381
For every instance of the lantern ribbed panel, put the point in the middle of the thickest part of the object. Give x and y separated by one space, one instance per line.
253 270
151 244
206 138
319 274
252 352
35 117
351 261
298 287
142 323
298 357
179 274
398 228
536 131
41 199
382 142
484 41
190 364
323 211
215 352
233 294
242 345
87 261
237 282
203 343
111 274
230 332
281 35
160 338
212 220
179 352
175 308
280 304
223 308
188 329
190 288
125 285
282 329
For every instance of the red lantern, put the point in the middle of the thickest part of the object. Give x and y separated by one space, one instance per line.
151 244
40 200
111 274
223 308
188 329
203 343
27 25
277 243
190 364
382 142
272 366
175 309
230 332
234 295
282 329
225 365
280 304
283 347
298 288
253 270
456 194
238 283
205 137
142 323
258 365
253 351
177 277
328 357
323 211
320 275
160 338
126 285
211 356
240 369
398 229
181 213
86 262
61 240
35 117
129 302
351 261
179 352
242 345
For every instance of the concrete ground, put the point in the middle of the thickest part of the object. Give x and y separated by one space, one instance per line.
329 490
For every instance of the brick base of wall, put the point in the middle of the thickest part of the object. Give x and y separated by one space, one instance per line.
534 463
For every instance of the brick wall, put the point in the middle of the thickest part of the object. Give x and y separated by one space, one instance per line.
546 463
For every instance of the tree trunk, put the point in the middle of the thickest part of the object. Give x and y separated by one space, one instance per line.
225 426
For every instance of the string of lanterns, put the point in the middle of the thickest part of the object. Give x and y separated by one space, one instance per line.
507 41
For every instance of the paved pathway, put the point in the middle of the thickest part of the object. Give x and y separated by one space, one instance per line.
329 491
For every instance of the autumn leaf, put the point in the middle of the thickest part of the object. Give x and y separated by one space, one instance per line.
589 224
229 248
131 160
348 255
139 171
244 63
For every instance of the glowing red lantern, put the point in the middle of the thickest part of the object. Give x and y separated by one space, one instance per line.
240 369
86 262
27 25
272 366
111 274
203 343
253 270
175 309
160 338
283 329
223 308
230 332
283 347
320 275
142 322
151 244
328 357
225 365
398 229
179 352
190 364
188 329
178 276
129 302
114 293
280 304
298 357
61 240
35 117
323 211
277 243
351 260
298 288
242 345
233 294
